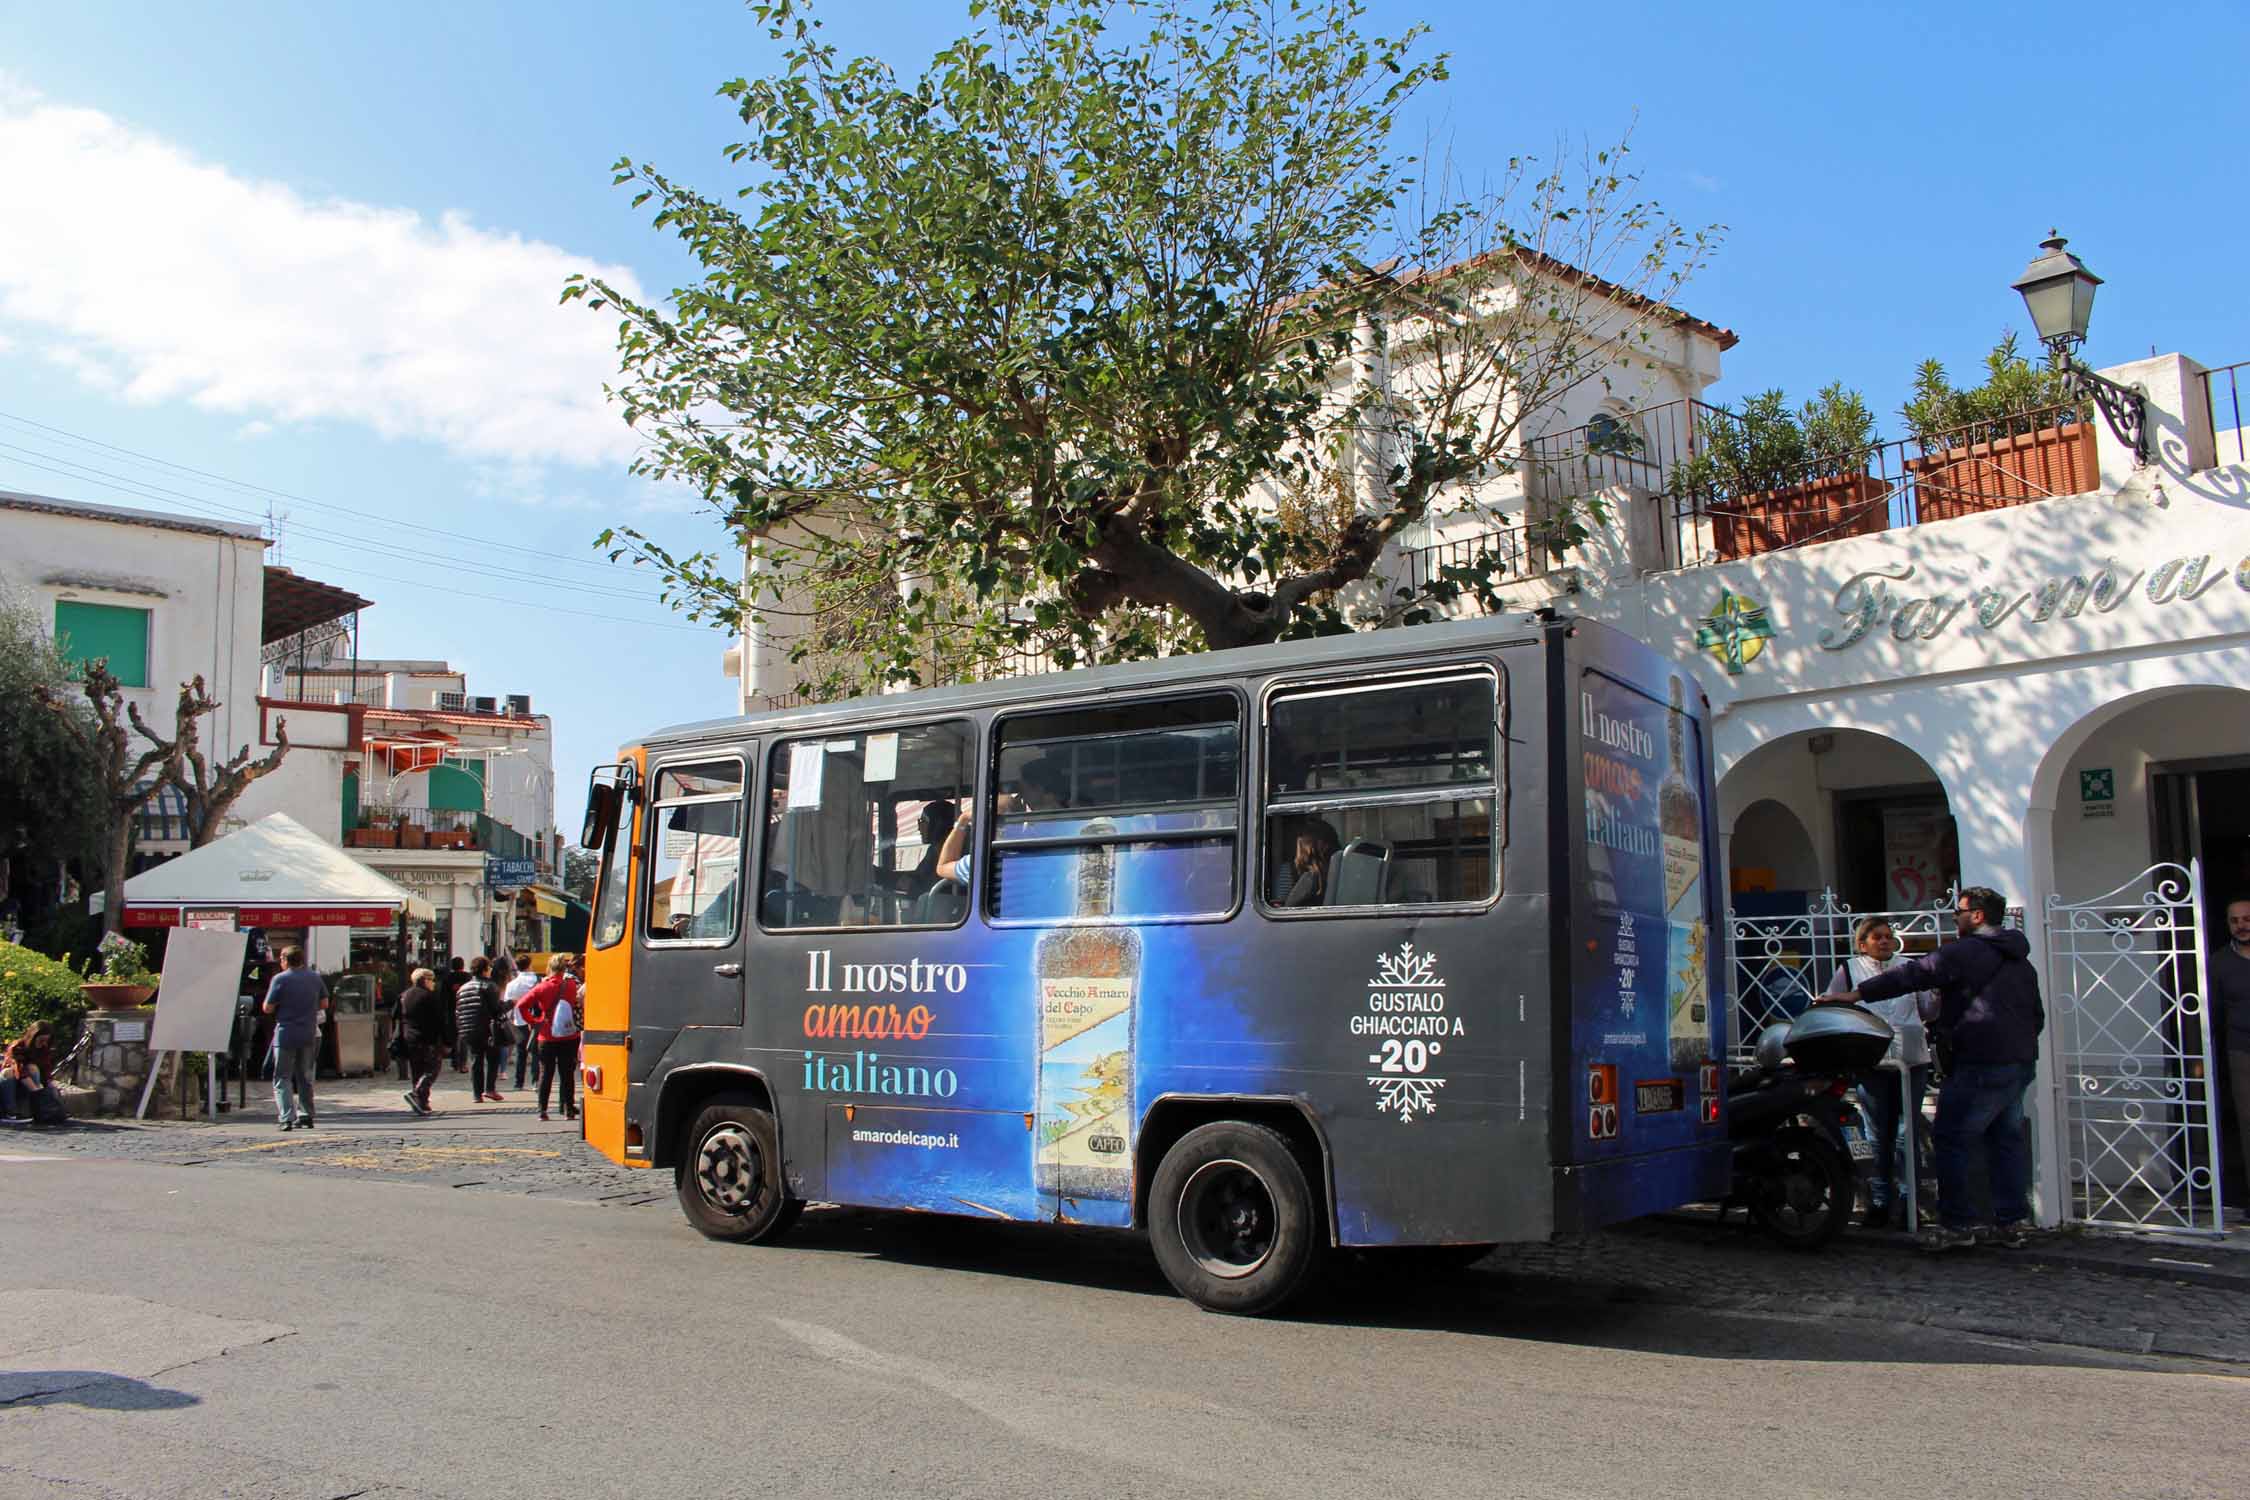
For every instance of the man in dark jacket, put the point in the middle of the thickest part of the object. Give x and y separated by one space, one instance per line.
476 1010
426 1026
1987 1035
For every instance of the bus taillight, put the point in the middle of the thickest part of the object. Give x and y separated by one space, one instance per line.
1601 1101
1710 1084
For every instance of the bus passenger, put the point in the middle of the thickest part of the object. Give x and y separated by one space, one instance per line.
931 826
1316 845
1039 790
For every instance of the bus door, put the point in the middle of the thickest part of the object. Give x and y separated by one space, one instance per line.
688 950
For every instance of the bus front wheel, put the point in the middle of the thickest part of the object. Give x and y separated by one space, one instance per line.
729 1178
1233 1219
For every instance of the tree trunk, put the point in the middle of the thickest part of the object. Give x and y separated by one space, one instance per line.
120 854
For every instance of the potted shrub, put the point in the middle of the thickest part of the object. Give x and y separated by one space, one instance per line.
124 980
1772 478
2021 435
375 831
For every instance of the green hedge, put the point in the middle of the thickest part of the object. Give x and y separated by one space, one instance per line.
34 987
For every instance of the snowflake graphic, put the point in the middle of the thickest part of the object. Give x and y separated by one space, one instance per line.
1406 1097
1407 969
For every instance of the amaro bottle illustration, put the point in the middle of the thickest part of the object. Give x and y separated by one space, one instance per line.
1088 975
1686 978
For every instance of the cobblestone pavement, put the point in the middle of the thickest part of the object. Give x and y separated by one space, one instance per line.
2065 1291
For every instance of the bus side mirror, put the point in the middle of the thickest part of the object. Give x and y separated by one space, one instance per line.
602 799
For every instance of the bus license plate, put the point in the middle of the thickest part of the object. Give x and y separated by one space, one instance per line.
1660 1096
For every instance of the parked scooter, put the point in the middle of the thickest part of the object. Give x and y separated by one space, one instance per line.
1793 1122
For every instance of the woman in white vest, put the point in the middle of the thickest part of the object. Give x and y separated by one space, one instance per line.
1876 949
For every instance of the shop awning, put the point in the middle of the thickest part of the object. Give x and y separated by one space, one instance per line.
274 873
550 903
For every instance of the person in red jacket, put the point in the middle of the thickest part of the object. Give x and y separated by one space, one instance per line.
552 1008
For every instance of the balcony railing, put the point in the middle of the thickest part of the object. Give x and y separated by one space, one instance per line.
2013 461
1473 566
2222 395
437 828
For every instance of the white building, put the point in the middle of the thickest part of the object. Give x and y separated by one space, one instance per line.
163 598
449 793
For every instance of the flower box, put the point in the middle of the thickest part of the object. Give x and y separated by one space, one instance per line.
449 838
2012 470
1819 510
413 836
372 838
105 995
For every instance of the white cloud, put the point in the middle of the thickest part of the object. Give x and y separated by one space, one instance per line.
143 271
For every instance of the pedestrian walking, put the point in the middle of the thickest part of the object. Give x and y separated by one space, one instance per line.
298 1002
2230 1006
476 1016
503 1029
1986 1037
552 1008
426 1022
526 1044
449 986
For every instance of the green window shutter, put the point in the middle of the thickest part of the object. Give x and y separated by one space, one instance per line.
351 801
88 632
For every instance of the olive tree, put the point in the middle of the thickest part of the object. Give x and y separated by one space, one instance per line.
1119 330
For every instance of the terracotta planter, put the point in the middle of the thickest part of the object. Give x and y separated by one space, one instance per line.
449 838
412 836
106 996
372 838
1819 510
1978 477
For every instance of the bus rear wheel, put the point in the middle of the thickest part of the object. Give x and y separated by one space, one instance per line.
1233 1220
729 1178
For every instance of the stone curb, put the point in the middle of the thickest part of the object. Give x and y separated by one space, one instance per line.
2223 1267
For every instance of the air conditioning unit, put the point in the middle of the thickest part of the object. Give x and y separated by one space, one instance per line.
485 705
453 703
520 704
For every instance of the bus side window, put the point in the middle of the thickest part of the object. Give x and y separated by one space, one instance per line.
1386 794
695 853
1158 783
855 823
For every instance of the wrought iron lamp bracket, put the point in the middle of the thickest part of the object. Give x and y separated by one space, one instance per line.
2123 407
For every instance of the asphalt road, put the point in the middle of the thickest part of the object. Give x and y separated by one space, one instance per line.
245 1333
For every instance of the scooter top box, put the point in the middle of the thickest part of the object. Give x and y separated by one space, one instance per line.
1838 1039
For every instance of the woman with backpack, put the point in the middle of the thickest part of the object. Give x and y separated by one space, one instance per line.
553 1010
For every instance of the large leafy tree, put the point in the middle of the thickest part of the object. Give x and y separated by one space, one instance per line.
50 804
1121 329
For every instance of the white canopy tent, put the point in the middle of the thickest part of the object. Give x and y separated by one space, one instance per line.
274 873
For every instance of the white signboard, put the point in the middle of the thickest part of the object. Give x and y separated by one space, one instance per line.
195 1004
128 1031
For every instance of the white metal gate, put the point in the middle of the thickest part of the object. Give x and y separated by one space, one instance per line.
2126 990
1779 965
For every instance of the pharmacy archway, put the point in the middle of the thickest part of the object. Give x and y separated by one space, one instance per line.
2147 802
1875 812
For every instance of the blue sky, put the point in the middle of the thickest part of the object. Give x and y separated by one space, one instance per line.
232 204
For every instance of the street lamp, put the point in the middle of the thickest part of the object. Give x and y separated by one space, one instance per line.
2058 292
